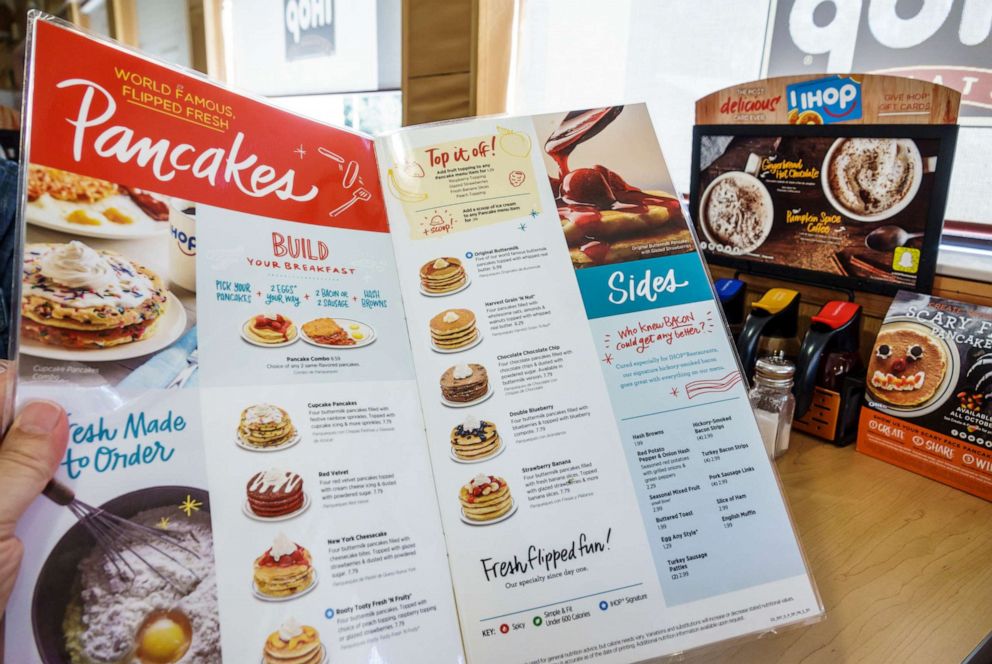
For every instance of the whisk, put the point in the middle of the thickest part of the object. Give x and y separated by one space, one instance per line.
116 536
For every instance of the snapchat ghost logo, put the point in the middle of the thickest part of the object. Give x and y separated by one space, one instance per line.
906 259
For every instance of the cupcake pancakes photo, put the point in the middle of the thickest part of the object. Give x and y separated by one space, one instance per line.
76 298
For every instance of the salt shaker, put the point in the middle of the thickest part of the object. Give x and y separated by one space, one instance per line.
773 403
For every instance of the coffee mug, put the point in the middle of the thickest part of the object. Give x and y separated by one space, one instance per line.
920 166
745 178
182 247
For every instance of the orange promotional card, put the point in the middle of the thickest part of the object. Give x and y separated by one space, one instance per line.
928 403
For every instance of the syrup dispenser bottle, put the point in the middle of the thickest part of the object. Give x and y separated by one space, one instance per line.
829 382
770 329
732 294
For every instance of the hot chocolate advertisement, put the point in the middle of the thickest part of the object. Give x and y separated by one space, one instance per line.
857 208
928 402
320 385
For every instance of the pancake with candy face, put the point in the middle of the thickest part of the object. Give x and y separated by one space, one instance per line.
907 367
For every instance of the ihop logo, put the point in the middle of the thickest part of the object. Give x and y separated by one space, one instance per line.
833 99
185 242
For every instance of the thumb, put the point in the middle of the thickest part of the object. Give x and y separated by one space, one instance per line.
29 455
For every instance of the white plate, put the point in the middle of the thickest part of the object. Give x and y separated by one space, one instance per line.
322 660
465 519
253 342
457 290
267 598
364 328
944 390
282 517
458 404
458 459
170 327
448 351
289 443
46 212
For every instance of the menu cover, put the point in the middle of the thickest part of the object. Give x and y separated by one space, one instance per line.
849 190
928 404
459 392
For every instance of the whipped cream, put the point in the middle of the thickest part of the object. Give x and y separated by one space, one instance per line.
75 275
480 480
461 371
441 263
264 413
290 629
869 176
77 266
450 317
276 478
282 546
471 423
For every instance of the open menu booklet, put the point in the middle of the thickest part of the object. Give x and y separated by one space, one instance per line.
461 392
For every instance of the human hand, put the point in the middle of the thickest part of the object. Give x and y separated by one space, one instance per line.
29 455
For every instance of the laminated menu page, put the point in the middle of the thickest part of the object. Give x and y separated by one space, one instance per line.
458 393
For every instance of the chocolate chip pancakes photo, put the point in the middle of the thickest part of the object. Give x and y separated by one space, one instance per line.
475 440
907 367
453 329
275 493
463 384
266 427
442 276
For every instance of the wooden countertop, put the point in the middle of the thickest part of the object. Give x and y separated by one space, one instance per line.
903 564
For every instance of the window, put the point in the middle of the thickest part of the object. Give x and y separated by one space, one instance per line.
584 53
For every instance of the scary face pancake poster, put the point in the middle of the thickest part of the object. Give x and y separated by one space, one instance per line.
928 403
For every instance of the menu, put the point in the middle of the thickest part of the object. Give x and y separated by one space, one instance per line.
929 391
460 392
825 179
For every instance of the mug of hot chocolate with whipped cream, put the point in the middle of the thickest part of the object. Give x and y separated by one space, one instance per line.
737 210
871 179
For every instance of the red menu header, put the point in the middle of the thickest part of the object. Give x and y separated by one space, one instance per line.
105 112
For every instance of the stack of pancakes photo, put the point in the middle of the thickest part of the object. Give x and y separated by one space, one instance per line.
270 329
442 275
285 569
293 643
485 498
606 220
265 426
475 439
453 329
275 492
463 383
77 297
